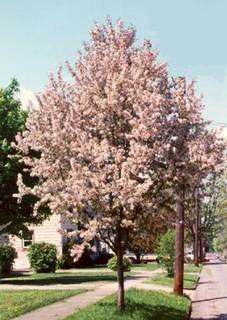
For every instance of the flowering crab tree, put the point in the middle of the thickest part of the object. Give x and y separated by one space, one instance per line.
193 152
99 137
200 209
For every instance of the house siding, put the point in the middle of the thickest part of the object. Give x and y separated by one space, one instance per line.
47 232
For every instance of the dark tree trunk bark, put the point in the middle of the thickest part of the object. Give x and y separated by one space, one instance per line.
193 242
179 247
120 272
201 255
196 252
138 257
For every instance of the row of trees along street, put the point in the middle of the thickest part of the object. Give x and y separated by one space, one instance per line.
121 148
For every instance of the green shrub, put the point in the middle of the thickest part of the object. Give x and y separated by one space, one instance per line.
7 256
43 257
166 251
112 264
66 261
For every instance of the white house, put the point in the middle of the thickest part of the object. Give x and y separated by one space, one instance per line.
47 232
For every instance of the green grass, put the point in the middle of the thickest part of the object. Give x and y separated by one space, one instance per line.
188 267
17 302
146 266
140 305
191 268
40 279
190 280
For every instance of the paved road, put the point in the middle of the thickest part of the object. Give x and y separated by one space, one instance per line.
210 299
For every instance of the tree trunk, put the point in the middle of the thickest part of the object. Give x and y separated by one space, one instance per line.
138 257
201 255
193 243
196 252
179 247
120 272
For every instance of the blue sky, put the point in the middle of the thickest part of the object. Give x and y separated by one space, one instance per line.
190 35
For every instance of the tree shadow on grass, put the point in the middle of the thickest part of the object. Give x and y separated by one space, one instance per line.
142 311
51 279
14 275
139 305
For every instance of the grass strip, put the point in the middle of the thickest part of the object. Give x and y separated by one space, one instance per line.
190 280
14 303
140 305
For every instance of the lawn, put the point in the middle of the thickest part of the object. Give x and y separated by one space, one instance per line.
17 302
140 305
146 266
188 267
191 268
190 280
40 279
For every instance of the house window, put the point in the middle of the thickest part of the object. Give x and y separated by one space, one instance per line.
26 242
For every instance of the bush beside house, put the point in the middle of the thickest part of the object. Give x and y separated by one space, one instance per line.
7 256
43 257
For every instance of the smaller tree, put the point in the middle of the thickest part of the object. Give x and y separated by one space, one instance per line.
166 251
143 240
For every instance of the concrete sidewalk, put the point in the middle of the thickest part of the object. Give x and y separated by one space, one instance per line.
210 299
84 285
62 309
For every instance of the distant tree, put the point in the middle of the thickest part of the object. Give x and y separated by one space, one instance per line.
209 200
194 152
14 216
166 251
144 240
214 215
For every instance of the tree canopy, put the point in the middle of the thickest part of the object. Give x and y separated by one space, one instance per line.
116 141
14 216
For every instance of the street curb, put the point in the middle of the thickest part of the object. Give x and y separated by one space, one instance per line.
189 311
188 317
197 282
